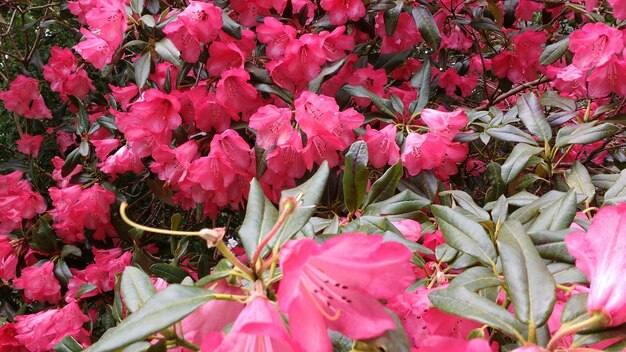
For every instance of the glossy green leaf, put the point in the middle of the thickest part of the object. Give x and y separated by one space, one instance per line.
68 344
554 51
531 287
550 245
391 17
476 278
557 215
169 272
466 202
510 133
517 160
575 309
355 175
382 104
168 51
584 133
404 205
142 69
161 311
579 179
427 26
617 192
230 27
531 113
465 235
260 218
316 83
136 288
385 186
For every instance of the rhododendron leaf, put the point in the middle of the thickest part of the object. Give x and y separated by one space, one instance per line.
421 81
575 309
509 13
385 186
552 98
382 225
68 344
516 162
82 118
159 312
531 114
584 133
554 51
404 205
392 60
550 245
69 249
44 239
510 133
580 180
530 285
500 210
137 6
108 123
312 191
617 192
168 51
142 69
84 288
476 278
136 288
148 21
559 118
597 334
485 23
260 217
427 26
605 181
392 340
466 202
163 193
462 302
330 69
494 175
272 89
564 273
391 17
355 175
169 272
62 271
556 215
231 27
220 271
83 148
144 346
465 235
382 104
530 210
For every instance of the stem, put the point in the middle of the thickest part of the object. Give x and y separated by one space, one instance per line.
123 207
514 91
565 330
184 343
226 253
227 297
289 208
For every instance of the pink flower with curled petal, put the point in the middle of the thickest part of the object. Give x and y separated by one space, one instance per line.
315 113
336 43
29 145
223 57
594 45
39 283
94 49
381 145
305 56
272 124
337 284
599 254
405 36
320 147
124 160
172 165
234 91
105 146
619 9
340 11
8 259
203 20
287 159
444 124
276 36
452 344
8 342
24 98
608 78
210 114
157 111
189 46
233 150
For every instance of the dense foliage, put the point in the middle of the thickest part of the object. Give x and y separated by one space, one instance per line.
299 175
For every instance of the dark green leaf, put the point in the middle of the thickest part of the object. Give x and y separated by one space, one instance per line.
405 205
332 68
142 69
485 23
68 344
617 192
531 114
231 27
557 215
554 51
136 288
575 308
466 202
272 89
168 51
550 245
391 17
427 26
421 81
476 278
510 133
530 285
580 180
161 311
169 272
107 122
260 217
465 235
584 133
385 186
516 162
552 98
355 175
69 249
382 104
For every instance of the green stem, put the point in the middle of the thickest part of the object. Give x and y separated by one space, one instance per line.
230 256
566 330
184 343
289 208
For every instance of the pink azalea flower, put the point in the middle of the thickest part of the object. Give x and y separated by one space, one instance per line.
405 36
276 36
8 342
210 114
410 229
157 111
619 9
189 46
18 201
24 98
316 113
594 45
608 78
258 327
444 124
39 283
599 254
287 159
342 10
381 145
450 344
94 49
337 285
234 91
29 145
172 165
450 80
8 259
273 125
124 160
336 43
223 57
423 152
203 20
64 76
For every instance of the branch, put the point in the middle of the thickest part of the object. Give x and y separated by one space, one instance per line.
520 88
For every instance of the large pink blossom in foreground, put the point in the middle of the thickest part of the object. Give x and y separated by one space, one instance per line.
337 285
600 255
594 45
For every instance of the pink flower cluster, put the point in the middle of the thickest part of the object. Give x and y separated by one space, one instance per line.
18 201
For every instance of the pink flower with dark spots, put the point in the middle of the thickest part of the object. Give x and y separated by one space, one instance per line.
24 98
203 20
340 11
594 45
39 283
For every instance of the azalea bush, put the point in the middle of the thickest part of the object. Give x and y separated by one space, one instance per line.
297 175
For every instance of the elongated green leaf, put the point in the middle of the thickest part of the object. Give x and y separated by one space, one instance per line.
500 210
355 175
427 26
382 104
617 192
391 17
161 311
528 212
316 83
230 27
386 185
382 225
142 69
510 133
516 162
68 344
531 114
169 272
550 245
580 180
557 215
485 23
260 217
564 273
462 302
168 51
72 159
584 133
575 308
554 52
531 286
552 98
136 288
466 202
465 235
476 278
404 205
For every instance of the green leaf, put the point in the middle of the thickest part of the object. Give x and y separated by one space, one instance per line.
312 191
284 94
509 133
169 272
580 180
69 249
142 69
530 285
382 225
550 245
427 26
485 23
83 148
552 98
564 273
465 235
168 51
82 118
44 240
260 218
136 288
462 302
404 205
385 186
531 114
476 278
391 17
355 175
142 346
137 6
107 122
161 311
84 288
516 162
617 192
68 344
554 52
575 308
230 27
557 215
332 68
382 104
421 81
500 210
584 133
466 202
